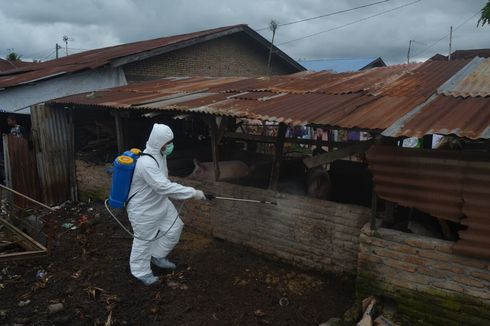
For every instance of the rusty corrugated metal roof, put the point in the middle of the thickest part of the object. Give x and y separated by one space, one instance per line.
474 80
371 100
100 57
10 65
462 107
451 185
469 118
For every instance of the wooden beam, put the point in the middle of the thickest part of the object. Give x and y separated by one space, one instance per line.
32 247
374 209
222 129
279 148
328 157
119 131
213 132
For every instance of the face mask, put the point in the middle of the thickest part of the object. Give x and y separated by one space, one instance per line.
168 149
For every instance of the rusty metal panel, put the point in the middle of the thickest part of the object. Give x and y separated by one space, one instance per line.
475 82
423 80
53 143
451 185
23 170
447 115
372 100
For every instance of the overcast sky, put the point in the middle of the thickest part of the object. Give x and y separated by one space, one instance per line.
32 27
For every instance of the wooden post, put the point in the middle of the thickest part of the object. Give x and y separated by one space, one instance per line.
279 147
7 167
374 209
213 132
119 131
71 158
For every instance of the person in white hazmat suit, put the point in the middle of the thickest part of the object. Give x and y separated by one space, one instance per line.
150 210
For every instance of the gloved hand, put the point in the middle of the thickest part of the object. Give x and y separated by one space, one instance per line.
199 195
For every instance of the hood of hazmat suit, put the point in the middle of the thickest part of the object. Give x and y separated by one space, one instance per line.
149 209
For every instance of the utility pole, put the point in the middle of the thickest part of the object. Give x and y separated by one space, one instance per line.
273 27
409 47
450 43
58 47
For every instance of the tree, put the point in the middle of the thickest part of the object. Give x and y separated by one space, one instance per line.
485 15
13 56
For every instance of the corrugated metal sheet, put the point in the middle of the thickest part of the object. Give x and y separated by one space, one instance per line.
54 150
23 170
451 185
472 83
371 100
461 109
447 115
424 80
9 65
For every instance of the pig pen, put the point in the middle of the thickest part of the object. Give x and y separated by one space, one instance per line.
307 232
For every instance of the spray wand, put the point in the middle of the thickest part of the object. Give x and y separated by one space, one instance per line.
211 197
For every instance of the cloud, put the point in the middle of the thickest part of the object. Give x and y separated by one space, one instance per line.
33 29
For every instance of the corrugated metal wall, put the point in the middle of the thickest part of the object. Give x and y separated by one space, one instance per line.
53 138
23 170
451 185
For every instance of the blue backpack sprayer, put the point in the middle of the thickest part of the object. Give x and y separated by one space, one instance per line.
122 176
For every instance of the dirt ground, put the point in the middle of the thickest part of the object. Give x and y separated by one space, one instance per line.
216 283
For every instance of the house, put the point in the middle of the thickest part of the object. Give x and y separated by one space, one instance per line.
227 51
343 65
463 54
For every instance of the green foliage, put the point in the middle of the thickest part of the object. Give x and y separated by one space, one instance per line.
13 56
485 15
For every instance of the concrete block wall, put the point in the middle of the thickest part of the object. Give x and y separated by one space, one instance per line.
307 232
429 283
233 55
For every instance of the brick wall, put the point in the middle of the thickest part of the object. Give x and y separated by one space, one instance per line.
429 283
233 55
311 233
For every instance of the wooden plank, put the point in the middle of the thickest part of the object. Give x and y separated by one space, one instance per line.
22 255
119 131
328 157
32 247
279 148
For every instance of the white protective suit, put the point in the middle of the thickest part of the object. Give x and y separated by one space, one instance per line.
150 209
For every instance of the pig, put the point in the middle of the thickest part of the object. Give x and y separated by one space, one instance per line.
318 183
229 171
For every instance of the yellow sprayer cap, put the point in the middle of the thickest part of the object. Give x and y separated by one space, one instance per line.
135 151
125 160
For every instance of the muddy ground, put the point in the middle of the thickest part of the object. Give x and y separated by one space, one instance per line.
216 283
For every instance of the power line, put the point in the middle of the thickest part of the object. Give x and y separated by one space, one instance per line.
52 52
447 35
351 23
78 49
325 15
